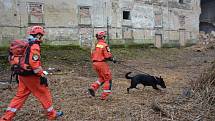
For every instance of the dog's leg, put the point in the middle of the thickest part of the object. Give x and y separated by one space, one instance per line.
155 87
128 90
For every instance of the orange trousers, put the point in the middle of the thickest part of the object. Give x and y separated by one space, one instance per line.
28 85
104 77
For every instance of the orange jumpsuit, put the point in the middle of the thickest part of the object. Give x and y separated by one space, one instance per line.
31 84
99 57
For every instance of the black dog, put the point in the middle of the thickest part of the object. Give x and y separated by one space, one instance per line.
146 80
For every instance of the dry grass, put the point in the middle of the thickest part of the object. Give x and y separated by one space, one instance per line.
69 85
204 94
197 102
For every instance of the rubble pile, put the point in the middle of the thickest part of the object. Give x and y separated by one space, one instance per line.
206 41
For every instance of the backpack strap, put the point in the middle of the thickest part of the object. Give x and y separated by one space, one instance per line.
28 49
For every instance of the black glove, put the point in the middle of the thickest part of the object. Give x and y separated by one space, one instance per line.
111 59
44 80
114 61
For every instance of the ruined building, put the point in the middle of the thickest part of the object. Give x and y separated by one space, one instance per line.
207 18
159 22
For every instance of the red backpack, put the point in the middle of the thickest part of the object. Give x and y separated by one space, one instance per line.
17 56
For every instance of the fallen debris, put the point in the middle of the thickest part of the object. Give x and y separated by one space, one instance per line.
206 41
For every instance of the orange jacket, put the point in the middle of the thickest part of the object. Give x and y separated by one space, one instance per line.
101 52
33 59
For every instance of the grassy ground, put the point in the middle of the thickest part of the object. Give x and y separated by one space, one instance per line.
69 84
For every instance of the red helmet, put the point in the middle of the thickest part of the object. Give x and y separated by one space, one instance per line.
37 30
100 34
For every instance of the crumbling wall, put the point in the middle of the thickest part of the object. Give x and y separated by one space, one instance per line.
207 17
128 21
9 21
61 22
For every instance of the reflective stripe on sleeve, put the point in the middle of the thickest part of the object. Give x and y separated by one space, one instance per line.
107 90
38 69
11 109
100 46
98 82
50 109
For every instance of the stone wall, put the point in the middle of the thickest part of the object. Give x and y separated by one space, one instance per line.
77 21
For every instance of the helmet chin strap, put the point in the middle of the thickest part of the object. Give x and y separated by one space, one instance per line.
40 38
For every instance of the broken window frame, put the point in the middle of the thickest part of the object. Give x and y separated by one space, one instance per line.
82 17
182 21
128 16
181 1
30 6
160 25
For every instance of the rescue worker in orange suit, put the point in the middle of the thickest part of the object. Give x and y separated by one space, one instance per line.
35 83
99 56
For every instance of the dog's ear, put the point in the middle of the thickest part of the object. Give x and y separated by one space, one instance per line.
161 78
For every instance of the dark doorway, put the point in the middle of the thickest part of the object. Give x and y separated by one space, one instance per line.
207 17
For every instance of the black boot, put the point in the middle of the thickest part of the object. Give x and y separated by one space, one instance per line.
92 92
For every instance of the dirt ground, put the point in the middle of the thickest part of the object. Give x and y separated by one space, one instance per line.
73 74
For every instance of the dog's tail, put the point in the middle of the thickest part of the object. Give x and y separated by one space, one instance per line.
128 77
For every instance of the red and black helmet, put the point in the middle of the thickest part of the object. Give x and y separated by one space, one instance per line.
37 30
100 34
